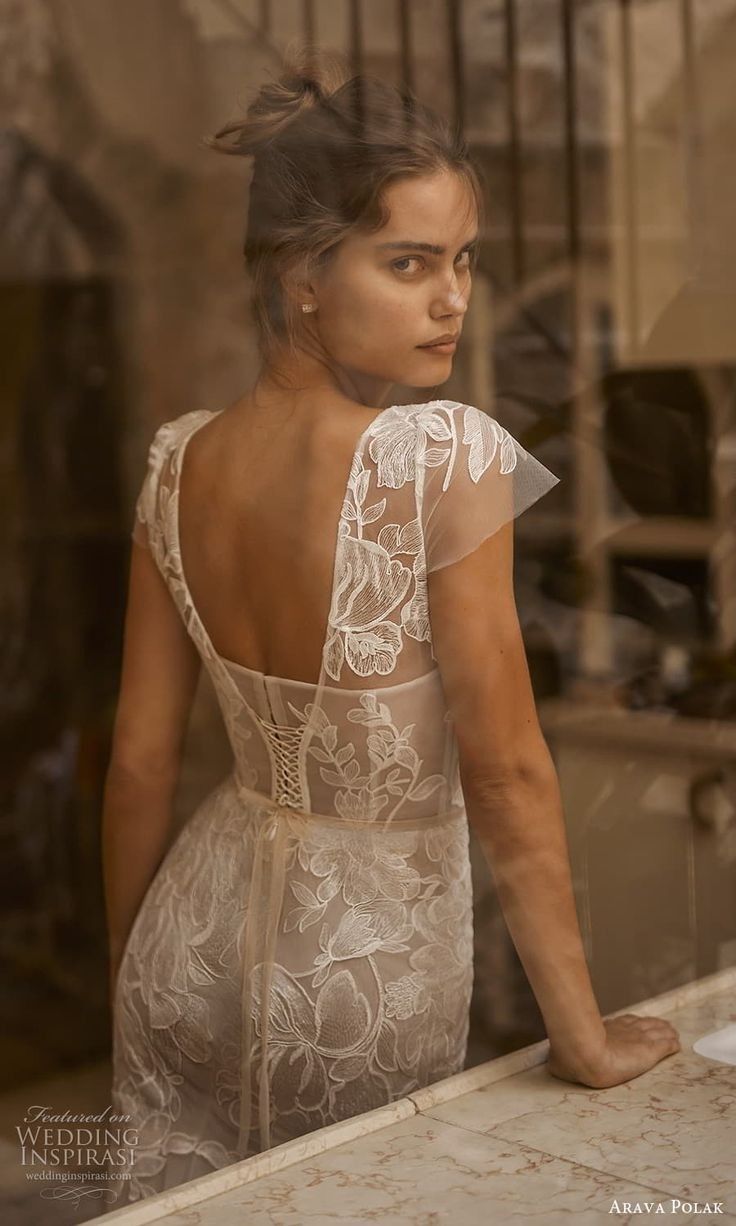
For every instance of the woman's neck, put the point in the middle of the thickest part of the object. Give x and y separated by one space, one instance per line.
301 374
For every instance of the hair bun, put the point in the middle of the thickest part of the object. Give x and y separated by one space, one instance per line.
303 83
306 81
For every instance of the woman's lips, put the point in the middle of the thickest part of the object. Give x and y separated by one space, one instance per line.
445 347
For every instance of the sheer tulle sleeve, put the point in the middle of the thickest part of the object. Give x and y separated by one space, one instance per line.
473 482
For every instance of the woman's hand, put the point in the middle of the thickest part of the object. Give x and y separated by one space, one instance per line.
632 1046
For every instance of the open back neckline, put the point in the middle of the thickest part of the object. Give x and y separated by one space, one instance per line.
176 493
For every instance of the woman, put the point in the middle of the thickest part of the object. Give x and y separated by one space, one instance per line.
349 589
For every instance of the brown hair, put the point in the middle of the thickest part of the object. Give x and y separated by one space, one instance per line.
325 145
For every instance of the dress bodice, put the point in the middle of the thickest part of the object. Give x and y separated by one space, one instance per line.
372 738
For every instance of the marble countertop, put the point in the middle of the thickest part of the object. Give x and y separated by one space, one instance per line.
504 1142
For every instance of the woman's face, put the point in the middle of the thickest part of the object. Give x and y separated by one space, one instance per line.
384 297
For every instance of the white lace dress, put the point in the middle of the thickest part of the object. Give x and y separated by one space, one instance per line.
304 952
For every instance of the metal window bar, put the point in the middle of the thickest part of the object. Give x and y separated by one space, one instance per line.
572 176
516 200
403 17
692 132
630 183
455 48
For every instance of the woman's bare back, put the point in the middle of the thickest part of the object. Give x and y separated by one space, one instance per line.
261 491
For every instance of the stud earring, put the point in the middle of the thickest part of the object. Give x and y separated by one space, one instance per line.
308 306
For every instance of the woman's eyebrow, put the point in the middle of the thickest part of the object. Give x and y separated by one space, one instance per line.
404 243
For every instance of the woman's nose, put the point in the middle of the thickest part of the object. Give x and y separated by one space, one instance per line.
455 301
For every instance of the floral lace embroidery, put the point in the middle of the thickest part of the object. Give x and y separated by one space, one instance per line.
395 766
377 598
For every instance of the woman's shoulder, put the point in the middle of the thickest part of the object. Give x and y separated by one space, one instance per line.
445 419
162 448
452 433
437 435
169 433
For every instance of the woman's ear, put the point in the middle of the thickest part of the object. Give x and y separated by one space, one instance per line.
299 288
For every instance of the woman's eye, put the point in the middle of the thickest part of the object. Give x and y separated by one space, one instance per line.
400 265
404 260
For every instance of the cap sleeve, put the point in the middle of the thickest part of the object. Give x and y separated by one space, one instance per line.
140 530
473 481
144 513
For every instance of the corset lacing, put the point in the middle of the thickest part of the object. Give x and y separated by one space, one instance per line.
284 743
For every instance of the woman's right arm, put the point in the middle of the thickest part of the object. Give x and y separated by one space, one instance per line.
160 669
513 802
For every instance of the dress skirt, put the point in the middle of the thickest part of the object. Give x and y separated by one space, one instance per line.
343 949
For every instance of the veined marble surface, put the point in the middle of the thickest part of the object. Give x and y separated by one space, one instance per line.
504 1141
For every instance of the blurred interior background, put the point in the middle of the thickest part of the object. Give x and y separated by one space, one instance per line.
601 333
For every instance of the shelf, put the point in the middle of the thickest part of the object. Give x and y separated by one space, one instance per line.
659 535
622 731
